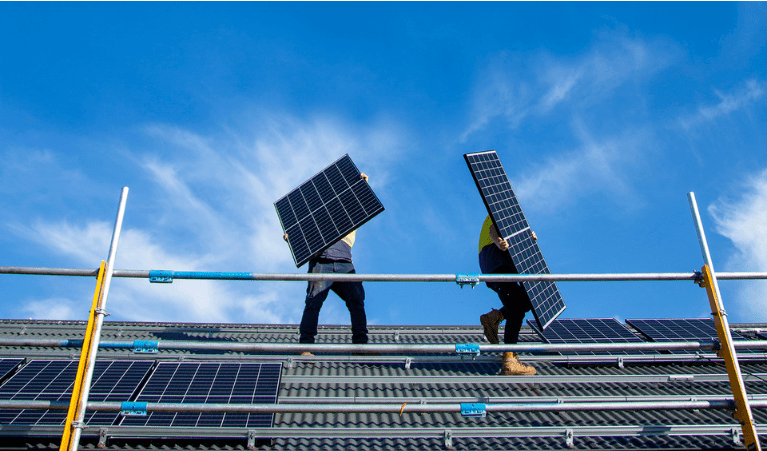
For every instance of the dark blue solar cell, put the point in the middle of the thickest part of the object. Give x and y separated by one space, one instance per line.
210 383
504 208
595 330
52 380
326 208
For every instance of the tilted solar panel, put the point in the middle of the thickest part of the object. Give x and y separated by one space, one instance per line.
326 208
209 383
689 329
503 206
592 330
52 380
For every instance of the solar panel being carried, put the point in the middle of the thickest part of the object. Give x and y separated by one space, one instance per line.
326 208
52 380
226 383
695 329
509 220
596 330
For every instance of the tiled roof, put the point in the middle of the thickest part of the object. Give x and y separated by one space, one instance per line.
431 379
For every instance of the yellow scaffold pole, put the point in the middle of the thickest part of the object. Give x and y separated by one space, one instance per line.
74 404
727 350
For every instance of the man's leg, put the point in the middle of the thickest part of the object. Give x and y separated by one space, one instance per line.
515 304
316 293
354 295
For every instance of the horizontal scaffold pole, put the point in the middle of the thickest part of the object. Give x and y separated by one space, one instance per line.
459 348
387 408
212 275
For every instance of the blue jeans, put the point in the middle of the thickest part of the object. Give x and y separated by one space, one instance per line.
351 292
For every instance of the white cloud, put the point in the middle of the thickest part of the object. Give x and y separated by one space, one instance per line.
744 221
596 166
728 103
516 88
52 308
209 207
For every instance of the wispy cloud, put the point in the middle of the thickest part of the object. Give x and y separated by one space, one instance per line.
728 103
598 166
744 221
211 209
517 87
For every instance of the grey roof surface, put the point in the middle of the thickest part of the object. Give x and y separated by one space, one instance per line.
429 379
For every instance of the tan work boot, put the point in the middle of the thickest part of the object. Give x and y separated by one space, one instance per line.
490 321
307 354
511 366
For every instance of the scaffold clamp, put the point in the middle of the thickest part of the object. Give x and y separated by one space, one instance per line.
467 279
128 408
467 349
145 347
471 409
159 276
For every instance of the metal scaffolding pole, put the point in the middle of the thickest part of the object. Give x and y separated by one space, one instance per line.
77 425
469 349
727 351
303 277
141 408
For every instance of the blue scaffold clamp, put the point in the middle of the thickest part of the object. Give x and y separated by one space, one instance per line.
159 276
467 279
471 409
467 349
145 347
133 409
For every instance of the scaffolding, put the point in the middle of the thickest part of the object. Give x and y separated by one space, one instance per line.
740 402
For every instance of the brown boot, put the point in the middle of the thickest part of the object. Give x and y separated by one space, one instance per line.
490 321
511 366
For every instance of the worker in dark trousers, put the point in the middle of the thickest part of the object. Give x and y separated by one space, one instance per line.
335 259
494 258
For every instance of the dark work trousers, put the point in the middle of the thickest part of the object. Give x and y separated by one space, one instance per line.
515 302
351 292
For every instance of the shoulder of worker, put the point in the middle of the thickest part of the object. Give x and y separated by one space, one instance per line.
484 234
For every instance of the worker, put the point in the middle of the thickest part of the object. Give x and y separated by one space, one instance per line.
335 259
494 258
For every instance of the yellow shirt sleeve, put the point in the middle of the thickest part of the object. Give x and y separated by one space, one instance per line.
349 239
484 235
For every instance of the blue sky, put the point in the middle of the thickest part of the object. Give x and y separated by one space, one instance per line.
605 116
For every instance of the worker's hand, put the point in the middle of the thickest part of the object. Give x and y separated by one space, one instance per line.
285 237
497 239
535 237
364 176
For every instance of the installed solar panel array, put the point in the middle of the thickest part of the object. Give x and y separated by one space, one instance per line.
698 329
226 383
503 206
52 380
8 365
598 330
326 208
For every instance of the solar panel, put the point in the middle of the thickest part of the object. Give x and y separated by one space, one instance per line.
695 329
52 380
209 383
598 330
503 206
326 208
8 365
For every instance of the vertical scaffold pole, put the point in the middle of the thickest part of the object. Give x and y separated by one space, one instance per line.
727 351
77 425
74 404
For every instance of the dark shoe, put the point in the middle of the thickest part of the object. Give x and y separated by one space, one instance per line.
490 321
